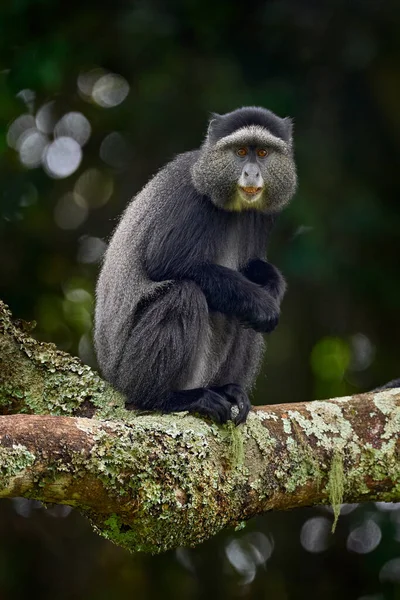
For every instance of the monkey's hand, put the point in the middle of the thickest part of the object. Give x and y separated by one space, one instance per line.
265 274
262 312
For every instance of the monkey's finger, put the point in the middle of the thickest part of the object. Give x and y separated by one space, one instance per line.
240 400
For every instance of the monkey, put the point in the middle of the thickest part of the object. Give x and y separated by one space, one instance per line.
185 291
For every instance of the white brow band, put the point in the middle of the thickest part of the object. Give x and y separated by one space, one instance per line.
253 135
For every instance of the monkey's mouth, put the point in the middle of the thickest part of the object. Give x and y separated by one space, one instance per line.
251 192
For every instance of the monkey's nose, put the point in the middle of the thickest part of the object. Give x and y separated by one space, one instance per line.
252 177
252 172
255 174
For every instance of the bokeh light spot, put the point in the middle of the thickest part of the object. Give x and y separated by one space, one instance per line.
74 125
86 351
110 90
248 552
62 157
115 151
330 358
362 352
387 506
95 187
241 559
68 214
28 96
17 128
46 118
390 571
91 249
314 535
32 144
365 538
87 79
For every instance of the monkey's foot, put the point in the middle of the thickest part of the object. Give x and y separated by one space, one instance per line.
240 404
220 403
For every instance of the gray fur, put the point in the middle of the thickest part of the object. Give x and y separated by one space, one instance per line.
154 336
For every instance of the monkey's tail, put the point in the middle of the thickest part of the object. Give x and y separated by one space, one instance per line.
395 383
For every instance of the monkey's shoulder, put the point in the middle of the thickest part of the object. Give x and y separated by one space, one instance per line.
171 195
175 174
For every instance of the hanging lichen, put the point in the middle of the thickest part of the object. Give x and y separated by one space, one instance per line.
335 486
232 435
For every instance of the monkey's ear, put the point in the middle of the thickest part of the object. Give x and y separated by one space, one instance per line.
214 118
289 129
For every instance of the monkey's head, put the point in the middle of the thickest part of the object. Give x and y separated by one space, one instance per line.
246 161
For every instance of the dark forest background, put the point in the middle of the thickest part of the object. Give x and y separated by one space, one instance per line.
94 98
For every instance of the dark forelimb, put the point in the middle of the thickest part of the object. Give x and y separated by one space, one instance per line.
267 276
229 292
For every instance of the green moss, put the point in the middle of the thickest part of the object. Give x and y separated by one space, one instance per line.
121 534
13 462
169 469
233 436
335 485
256 431
304 465
39 379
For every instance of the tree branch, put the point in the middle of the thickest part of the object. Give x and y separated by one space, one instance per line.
152 482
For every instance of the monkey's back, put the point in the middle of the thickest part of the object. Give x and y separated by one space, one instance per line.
123 283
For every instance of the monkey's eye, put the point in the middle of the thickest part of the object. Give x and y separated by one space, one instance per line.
262 152
241 152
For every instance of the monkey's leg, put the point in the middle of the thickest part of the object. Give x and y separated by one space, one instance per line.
166 346
243 360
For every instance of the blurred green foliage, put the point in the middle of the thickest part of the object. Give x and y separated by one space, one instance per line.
333 67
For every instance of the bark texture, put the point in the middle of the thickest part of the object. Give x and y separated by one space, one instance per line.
153 482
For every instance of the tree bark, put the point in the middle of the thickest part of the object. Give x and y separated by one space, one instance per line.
154 482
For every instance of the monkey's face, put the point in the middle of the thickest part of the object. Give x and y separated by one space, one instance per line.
249 169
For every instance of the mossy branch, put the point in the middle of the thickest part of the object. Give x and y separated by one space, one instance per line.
151 482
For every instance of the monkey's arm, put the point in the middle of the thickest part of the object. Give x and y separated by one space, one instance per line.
229 292
267 275
226 291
